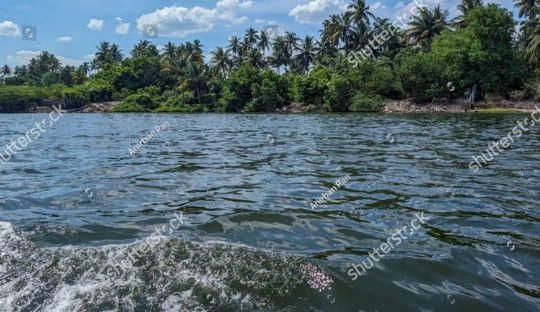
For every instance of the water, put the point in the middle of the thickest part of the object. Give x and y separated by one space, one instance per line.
79 214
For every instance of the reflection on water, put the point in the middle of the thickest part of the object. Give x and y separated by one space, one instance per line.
76 200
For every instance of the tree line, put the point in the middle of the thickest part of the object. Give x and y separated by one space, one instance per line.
261 73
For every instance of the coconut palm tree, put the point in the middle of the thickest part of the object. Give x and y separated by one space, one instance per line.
5 71
169 51
280 53
106 54
307 50
360 13
116 53
251 36
530 29
527 7
426 25
144 48
255 58
221 61
291 39
337 29
264 42
465 7
234 45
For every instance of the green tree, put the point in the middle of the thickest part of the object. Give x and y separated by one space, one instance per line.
426 26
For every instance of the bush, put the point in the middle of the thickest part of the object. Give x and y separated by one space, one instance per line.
366 102
137 103
237 91
339 95
271 94
15 99
74 98
421 76
310 90
179 103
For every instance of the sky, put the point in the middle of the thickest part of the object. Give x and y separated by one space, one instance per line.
71 30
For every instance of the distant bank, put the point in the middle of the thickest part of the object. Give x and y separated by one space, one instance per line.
501 106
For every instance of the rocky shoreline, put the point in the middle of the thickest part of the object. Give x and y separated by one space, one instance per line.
390 107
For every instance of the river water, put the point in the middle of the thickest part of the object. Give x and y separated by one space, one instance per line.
214 213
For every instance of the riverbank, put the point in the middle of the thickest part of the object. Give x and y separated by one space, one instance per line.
501 106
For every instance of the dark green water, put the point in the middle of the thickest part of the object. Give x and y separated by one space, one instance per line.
74 202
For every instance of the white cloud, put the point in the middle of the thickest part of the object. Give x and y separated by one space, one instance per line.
8 28
175 21
95 24
377 5
122 28
65 39
263 21
315 11
22 57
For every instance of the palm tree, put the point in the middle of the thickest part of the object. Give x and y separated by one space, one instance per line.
106 54
197 54
255 58
360 13
280 53
5 70
144 48
169 51
221 61
467 5
234 45
264 42
291 39
195 78
426 25
530 29
116 53
306 53
381 23
527 8
337 29
86 66
251 36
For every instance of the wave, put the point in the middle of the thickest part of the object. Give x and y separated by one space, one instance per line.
166 275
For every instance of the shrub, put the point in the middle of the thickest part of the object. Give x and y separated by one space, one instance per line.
179 103
237 91
18 98
310 90
366 102
137 103
421 76
270 94
339 94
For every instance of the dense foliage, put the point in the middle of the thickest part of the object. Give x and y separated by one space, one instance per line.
343 71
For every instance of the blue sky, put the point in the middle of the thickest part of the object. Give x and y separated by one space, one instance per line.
72 29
